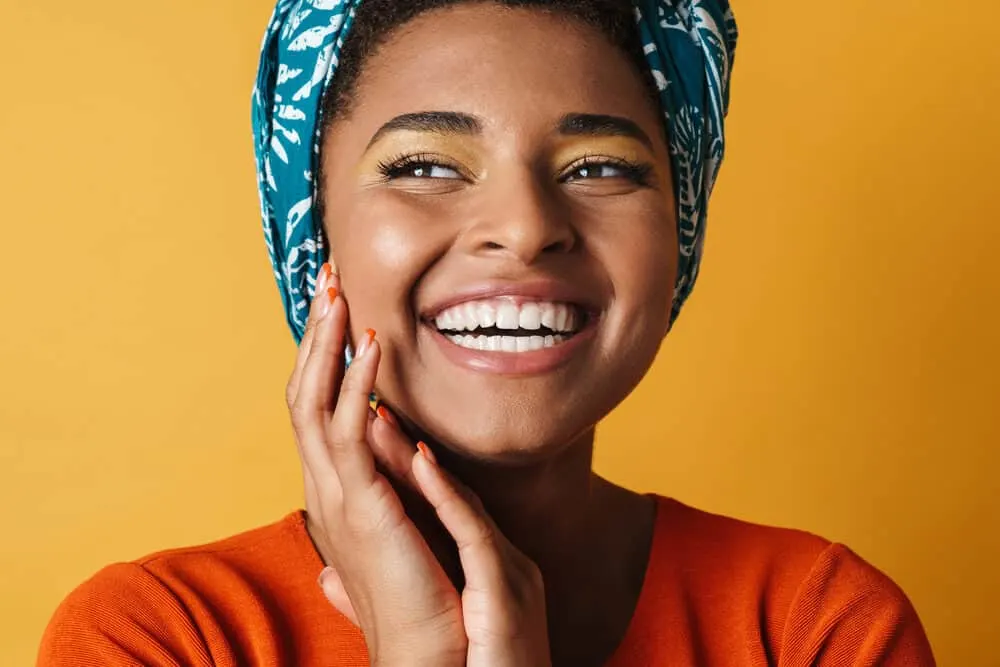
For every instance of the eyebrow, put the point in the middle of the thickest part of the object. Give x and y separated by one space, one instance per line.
600 125
439 122
453 122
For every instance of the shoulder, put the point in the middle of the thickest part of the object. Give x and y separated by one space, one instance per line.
845 610
720 546
806 596
198 605
277 562
261 548
121 615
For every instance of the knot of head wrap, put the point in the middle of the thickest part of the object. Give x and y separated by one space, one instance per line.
689 47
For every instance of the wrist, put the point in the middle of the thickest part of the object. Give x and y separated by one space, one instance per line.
411 654
420 660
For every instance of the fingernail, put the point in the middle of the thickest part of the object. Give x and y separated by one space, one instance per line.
426 451
324 277
331 296
366 342
384 413
323 575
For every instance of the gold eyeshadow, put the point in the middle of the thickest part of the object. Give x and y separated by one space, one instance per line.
465 155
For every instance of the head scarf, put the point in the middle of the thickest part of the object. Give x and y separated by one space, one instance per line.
689 47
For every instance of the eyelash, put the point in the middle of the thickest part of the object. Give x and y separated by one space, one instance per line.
401 166
637 173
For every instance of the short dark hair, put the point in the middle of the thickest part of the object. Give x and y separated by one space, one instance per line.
376 20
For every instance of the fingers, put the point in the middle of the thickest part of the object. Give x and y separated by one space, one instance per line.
481 546
349 449
392 448
318 383
333 588
326 280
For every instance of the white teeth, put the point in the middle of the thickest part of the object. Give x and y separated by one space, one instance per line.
506 343
470 316
509 316
486 315
548 315
562 317
531 316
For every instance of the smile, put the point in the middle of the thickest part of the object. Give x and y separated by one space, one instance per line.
512 333
498 325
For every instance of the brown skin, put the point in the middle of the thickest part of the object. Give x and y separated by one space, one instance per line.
522 444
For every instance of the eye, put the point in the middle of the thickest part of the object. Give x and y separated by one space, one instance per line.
604 168
417 166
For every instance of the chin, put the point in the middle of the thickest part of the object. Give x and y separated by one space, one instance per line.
513 430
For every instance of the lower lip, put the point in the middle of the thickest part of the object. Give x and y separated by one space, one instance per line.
534 362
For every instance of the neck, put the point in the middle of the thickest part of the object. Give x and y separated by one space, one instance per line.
547 508
589 538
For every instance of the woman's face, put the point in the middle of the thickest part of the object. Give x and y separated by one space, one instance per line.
499 205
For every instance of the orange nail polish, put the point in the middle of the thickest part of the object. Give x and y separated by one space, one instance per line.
332 292
426 451
323 279
366 342
383 413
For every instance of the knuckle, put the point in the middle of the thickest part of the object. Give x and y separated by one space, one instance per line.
485 535
300 413
376 511
473 500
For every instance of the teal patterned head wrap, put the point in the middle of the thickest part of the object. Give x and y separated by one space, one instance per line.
689 47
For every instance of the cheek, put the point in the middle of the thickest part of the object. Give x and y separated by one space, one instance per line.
382 244
638 248
640 259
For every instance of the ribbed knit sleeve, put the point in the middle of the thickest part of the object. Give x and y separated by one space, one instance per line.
847 612
122 616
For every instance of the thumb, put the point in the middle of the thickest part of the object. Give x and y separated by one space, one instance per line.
333 589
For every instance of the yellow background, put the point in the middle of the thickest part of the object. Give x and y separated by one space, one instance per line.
836 369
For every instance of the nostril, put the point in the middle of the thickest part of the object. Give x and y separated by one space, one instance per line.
559 246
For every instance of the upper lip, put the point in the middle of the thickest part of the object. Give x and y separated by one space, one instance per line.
543 290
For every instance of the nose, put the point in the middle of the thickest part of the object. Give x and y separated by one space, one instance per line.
523 220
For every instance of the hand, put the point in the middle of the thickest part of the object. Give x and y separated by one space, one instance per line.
501 613
503 602
405 605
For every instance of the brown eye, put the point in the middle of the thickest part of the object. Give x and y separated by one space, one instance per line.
417 166
596 171
427 170
603 168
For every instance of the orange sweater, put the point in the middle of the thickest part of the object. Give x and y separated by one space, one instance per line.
717 592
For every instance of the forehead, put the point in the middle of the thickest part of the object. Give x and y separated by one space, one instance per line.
503 64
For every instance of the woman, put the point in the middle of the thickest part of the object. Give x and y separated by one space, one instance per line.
514 197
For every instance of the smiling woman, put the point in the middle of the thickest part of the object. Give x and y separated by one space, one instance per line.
513 195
